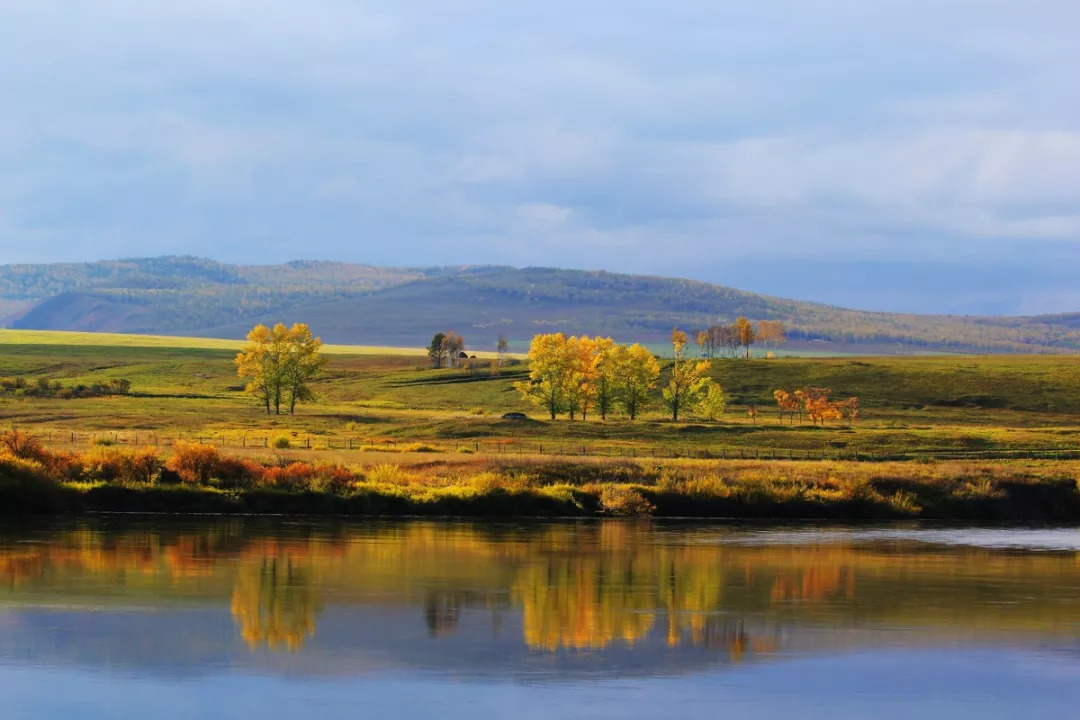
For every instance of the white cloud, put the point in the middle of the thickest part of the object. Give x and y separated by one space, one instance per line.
483 130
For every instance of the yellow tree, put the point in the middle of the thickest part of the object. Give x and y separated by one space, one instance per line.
606 363
303 363
689 378
744 330
258 364
280 361
636 374
581 386
549 374
771 332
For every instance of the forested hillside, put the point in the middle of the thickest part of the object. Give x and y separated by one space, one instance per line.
347 303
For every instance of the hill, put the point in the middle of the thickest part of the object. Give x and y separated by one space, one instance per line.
350 304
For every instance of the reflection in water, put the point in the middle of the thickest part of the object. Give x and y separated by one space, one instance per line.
566 588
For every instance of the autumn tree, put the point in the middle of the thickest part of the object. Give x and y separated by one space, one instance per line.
581 383
606 375
258 364
727 340
850 410
744 331
303 363
786 404
279 364
771 332
454 345
689 378
549 374
636 374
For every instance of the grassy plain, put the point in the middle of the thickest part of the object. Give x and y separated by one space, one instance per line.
373 398
407 438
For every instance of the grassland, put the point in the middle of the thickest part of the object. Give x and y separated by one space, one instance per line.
382 408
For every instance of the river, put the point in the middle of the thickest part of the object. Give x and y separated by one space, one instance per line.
115 617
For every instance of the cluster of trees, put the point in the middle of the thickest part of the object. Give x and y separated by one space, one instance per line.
814 403
43 387
735 340
279 364
447 349
578 375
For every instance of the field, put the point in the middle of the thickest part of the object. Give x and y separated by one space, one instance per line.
951 436
377 398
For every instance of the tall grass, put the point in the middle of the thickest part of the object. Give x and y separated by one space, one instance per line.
195 476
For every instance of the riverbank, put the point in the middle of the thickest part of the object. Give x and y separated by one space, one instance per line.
201 479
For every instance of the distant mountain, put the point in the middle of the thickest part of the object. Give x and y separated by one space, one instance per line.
347 303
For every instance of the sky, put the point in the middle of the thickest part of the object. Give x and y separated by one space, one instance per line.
914 155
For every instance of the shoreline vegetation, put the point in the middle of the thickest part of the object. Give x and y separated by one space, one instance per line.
196 478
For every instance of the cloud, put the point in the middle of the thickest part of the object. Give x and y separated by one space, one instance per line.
556 133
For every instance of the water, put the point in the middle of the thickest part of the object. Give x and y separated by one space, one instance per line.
116 618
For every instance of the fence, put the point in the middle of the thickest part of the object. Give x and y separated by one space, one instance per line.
512 447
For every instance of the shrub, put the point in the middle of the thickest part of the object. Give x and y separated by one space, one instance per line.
23 445
387 474
135 467
419 448
294 476
281 442
194 463
104 442
625 500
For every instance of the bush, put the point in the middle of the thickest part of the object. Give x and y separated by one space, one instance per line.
23 445
281 442
194 463
419 448
625 500
127 467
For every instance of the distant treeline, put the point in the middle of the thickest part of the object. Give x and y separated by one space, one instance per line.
44 387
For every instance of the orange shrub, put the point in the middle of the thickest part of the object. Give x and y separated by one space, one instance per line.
194 463
294 476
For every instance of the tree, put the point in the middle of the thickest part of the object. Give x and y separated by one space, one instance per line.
689 378
712 402
454 345
502 346
786 404
437 349
302 364
744 331
549 374
636 374
280 361
752 413
258 363
581 367
771 331
606 380
704 344
727 339
849 409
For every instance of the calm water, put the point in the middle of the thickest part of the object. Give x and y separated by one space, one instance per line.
233 618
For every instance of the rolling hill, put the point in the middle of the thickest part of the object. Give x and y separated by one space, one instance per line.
347 303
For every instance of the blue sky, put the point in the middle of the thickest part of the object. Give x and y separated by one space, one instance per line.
911 155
